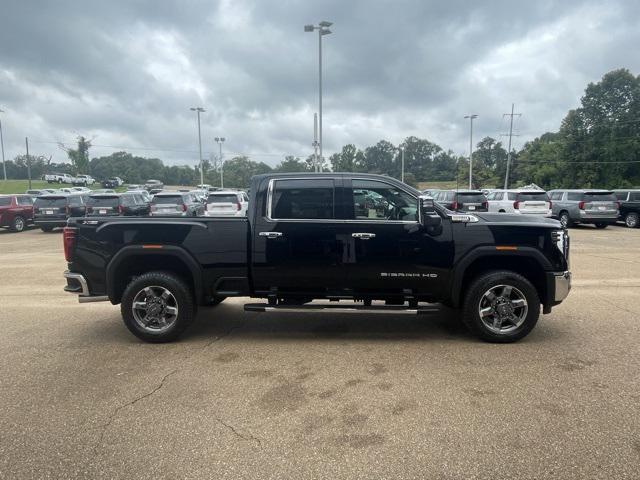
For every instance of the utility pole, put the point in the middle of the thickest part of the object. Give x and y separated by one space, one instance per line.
4 167
323 29
220 141
26 142
198 110
316 164
506 176
471 117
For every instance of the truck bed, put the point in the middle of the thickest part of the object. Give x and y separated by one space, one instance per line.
216 247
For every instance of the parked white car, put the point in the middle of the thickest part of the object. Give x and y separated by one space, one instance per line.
227 203
520 201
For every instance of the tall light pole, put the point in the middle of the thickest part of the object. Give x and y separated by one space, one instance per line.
199 110
316 164
4 167
402 167
323 29
471 117
220 141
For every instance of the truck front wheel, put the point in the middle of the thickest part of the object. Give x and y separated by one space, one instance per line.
157 307
501 306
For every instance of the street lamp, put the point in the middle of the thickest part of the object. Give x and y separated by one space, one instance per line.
4 167
199 110
471 117
402 168
220 141
323 29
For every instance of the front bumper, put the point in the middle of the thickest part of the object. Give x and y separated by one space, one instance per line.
76 283
560 286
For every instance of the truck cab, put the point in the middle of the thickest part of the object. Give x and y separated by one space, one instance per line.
318 242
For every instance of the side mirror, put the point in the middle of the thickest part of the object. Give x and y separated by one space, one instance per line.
429 217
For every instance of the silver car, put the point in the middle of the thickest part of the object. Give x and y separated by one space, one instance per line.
599 207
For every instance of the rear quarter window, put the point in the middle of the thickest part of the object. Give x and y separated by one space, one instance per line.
5 201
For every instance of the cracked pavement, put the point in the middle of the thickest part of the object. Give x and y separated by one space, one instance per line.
319 396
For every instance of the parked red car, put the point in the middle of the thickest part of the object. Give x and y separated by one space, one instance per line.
16 211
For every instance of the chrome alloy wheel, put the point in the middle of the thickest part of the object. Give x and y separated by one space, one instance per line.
503 309
155 309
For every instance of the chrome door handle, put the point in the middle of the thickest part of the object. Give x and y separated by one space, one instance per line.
363 235
270 234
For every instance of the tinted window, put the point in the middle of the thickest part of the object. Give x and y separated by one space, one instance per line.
103 201
300 199
635 196
25 201
621 195
75 201
5 201
448 196
128 200
230 198
499 195
539 196
471 198
574 196
167 199
599 197
555 195
380 201
51 202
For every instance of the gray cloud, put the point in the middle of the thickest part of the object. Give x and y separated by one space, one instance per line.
126 73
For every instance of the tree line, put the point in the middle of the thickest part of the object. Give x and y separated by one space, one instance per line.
597 145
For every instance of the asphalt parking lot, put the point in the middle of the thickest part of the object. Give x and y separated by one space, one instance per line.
316 396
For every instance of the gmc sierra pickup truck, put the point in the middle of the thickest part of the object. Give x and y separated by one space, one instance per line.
315 242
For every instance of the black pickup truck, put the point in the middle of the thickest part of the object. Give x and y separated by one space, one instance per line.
324 242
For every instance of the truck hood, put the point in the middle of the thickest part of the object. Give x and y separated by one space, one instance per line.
517 220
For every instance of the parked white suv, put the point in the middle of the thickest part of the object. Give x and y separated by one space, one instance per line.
227 203
520 201
83 180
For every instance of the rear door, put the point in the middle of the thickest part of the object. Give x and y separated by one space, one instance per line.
51 207
533 202
24 205
600 203
223 204
299 236
471 202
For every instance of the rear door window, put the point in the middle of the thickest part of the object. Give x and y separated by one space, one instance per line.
471 198
103 201
167 200
312 199
43 202
227 198
599 197
535 196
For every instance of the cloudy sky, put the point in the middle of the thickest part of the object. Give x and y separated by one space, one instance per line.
126 72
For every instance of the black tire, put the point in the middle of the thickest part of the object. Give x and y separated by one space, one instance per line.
475 294
565 219
59 180
601 225
183 299
632 220
46 229
18 224
213 301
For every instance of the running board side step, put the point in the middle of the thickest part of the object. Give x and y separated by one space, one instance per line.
315 308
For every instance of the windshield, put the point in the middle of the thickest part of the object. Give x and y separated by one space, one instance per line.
51 202
599 197
539 196
167 199
103 201
230 198
471 198
5 201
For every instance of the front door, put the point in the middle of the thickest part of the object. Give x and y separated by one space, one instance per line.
299 238
392 252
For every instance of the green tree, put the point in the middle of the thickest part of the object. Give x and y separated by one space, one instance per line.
293 164
79 156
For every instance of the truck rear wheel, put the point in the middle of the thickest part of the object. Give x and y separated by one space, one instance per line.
501 306
157 307
631 220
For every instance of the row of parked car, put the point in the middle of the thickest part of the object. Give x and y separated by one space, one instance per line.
49 210
592 206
